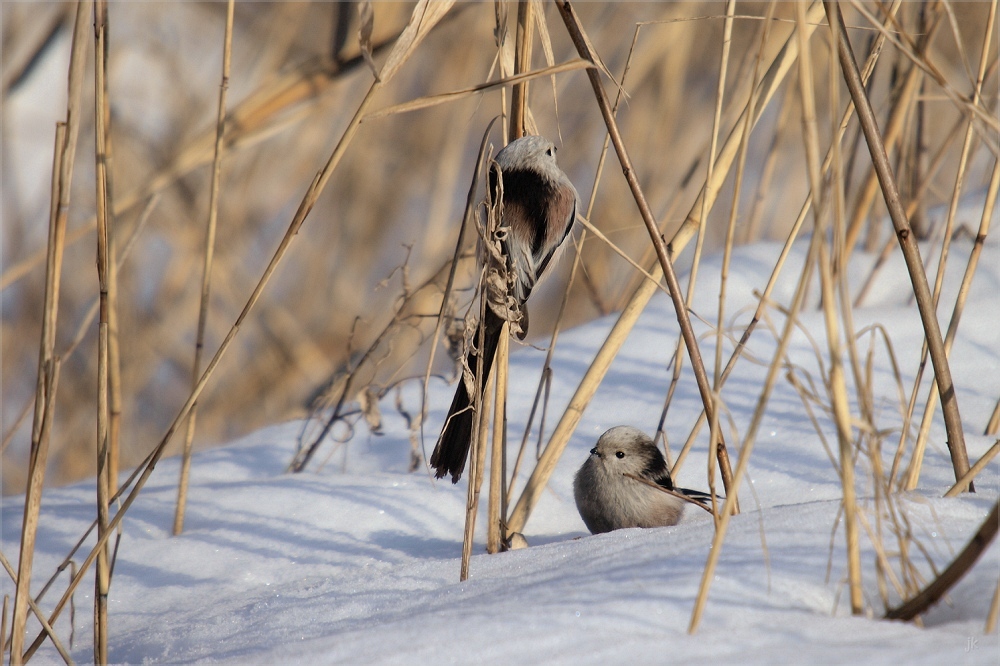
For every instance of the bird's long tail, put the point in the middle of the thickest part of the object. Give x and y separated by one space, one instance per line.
452 448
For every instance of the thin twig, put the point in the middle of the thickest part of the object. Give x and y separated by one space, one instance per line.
958 568
206 275
908 243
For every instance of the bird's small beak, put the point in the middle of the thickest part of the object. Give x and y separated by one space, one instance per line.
593 451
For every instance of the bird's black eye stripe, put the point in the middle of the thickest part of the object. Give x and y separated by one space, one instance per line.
620 454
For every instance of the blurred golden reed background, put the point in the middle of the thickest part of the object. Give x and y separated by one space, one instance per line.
395 201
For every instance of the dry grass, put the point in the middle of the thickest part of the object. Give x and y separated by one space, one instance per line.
335 185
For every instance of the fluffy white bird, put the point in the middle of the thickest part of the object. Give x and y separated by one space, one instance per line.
618 485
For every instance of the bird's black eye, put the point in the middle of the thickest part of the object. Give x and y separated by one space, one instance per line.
550 151
620 455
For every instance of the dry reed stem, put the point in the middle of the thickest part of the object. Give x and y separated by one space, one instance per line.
545 376
206 275
837 383
993 424
991 617
39 615
764 299
749 438
48 365
495 516
893 131
985 116
912 208
467 219
978 467
699 243
636 304
908 243
522 63
581 42
477 449
621 253
102 575
715 435
931 403
416 29
951 575
429 101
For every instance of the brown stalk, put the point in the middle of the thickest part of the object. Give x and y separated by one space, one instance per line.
39 615
467 220
477 449
582 45
496 507
993 424
764 299
425 16
708 573
102 577
206 275
951 575
908 244
980 465
925 424
991 617
893 131
48 363
545 375
837 383
985 116
522 63
637 303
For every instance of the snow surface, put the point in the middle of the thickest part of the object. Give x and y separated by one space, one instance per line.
358 561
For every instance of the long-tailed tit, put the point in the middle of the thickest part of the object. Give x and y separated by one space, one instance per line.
619 485
538 204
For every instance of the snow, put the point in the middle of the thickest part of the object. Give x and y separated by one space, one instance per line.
358 561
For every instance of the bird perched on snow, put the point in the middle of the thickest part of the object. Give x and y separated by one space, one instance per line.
538 210
619 485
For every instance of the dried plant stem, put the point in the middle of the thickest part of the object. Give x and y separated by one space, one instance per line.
467 221
637 303
908 90
48 363
951 575
496 508
522 63
425 17
978 467
39 615
680 307
837 382
993 425
765 297
908 243
545 376
477 453
991 617
102 577
930 407
206 276
749 438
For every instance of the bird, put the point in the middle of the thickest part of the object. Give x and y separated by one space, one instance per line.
619 484
538 204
